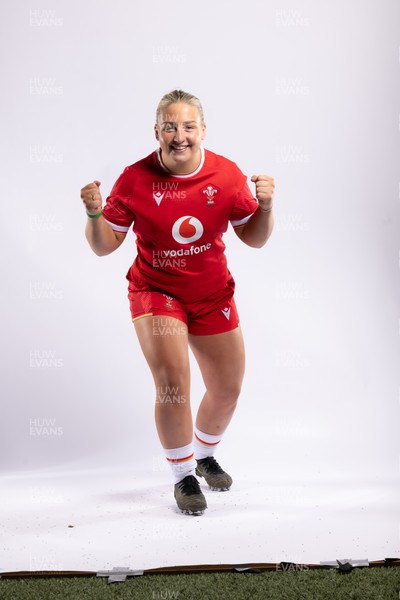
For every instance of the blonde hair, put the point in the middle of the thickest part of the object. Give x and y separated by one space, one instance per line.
179 96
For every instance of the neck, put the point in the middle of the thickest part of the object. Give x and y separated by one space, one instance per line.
184 169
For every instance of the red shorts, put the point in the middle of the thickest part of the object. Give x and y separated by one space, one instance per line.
215 314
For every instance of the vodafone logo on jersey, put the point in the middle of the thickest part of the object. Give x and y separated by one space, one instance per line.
187 230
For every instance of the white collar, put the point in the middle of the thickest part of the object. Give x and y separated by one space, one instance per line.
158 151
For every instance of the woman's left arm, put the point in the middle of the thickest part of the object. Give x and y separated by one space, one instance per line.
259 227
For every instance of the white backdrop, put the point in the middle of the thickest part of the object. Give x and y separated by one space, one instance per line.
307 92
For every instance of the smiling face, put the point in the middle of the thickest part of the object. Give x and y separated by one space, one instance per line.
180 132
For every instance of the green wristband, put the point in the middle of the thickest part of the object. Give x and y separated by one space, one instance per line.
94 216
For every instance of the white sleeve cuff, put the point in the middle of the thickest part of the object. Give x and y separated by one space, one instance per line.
119 228
241 221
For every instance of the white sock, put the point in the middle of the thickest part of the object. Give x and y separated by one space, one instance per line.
205 444
181 461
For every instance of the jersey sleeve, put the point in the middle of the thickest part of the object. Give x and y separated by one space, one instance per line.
245 205
118 210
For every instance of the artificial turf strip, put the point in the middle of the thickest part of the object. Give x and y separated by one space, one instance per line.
361 584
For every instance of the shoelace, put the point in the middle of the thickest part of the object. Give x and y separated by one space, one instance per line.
189 486
210 465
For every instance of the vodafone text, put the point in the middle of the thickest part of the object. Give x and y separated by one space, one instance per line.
172 258
181 251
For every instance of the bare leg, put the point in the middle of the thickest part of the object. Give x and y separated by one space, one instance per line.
221 359
164 342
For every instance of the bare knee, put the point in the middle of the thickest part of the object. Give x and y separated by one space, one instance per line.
225 395
172 386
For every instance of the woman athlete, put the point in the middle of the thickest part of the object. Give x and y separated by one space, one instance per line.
180 200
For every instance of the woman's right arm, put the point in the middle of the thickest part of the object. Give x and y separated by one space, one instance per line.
101 237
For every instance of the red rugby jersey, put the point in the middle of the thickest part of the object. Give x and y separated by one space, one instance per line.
179 221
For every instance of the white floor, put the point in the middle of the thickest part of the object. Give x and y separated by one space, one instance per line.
93 520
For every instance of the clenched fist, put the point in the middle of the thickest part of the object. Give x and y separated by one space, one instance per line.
264 191
91 197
